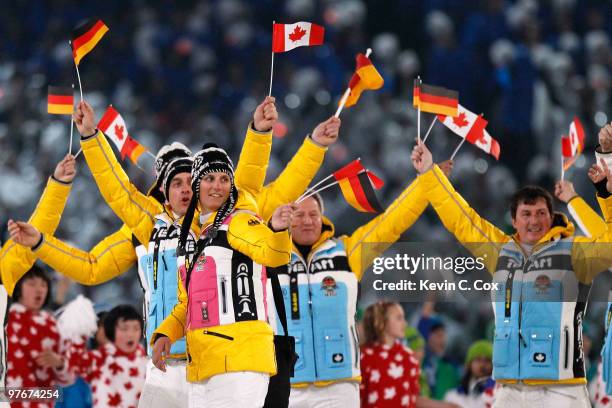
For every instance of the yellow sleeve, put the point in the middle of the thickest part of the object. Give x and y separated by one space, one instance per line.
134 208
587 219
604 207
293 180
16 260
247 234
111 257
385 229
592 255
173 326
253 162
478 235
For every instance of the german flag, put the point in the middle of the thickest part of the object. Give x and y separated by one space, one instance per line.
352 169
365 77
60 100
435 99
86 36
359 193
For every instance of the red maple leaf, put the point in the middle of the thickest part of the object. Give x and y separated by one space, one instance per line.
297 33
128 385
134 372
119 132
115 368
460 121
114 400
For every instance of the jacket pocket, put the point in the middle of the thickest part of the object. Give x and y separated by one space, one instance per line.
540 346
501 346
203 309
335 348
220 335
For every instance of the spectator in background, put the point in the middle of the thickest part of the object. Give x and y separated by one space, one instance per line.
390 370
476 388
416 342
442 375
35 359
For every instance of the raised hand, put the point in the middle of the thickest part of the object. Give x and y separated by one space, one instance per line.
265 115
326 133
564 190
65 169
421 157
282 217
605 138
23 233
85 119
596 174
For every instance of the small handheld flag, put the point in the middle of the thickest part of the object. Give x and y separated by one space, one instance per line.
435 99
286 37
113 126
85 37
60 100
358 191
365 77
573 144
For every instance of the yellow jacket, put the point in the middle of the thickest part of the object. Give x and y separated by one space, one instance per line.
242 346
484 239
16 260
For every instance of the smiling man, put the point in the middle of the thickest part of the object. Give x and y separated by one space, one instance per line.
544 272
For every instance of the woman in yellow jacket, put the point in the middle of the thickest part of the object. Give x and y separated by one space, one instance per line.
222 283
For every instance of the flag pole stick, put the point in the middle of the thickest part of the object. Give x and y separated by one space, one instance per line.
433 122
150 154
562 165
457 148
272 64
79 152
348 92
315 192
78 74
309 189
71 131
419 117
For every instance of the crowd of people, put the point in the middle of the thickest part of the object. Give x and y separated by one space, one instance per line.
179 74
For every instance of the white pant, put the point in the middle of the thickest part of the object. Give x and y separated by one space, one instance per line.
338 395
244 389
553 396
165 390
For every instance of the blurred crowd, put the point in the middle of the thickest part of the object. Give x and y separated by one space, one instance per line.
194 71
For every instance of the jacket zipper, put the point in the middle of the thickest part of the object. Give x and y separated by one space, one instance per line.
223 336
566 333
310 304
520 314
223 295
356 344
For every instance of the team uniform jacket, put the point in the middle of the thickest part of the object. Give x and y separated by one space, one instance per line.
320 292
224 311
120 250
538 322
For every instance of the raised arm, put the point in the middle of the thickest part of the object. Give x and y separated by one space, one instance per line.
16 260
255 154
133 207
300 171
479 236
111 257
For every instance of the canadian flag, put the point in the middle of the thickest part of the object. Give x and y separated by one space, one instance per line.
286 37
572 145
113 126
471 127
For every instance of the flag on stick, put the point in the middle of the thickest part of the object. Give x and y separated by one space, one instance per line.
85 37
435 99
358 191
286 37
60 100
365 77
113 126
573 144
471 127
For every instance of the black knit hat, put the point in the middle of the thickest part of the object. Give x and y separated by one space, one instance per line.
165 156
211 159
176 166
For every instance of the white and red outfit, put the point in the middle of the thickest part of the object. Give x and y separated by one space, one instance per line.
600 398
390 376
116 377
28 334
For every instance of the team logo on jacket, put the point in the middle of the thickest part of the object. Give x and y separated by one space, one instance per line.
338 358
539 357
542 283
329 285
